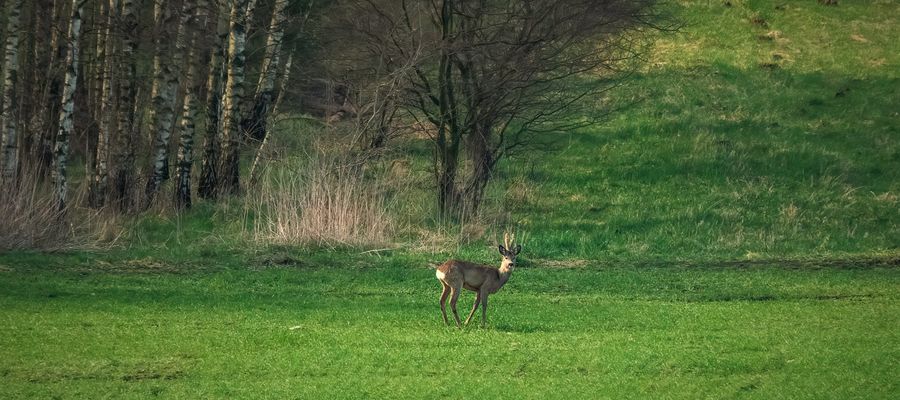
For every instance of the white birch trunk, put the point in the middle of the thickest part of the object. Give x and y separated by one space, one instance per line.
124 173
248 22
233 97
106 112
8 118
212 146
61 148
185 157
165 86
270 125
255 123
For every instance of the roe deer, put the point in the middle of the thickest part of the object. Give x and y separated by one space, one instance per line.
481 279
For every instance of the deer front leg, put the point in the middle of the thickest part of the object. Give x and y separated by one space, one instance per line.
454 296
444 294
474 307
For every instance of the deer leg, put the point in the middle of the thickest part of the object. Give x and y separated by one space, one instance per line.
483 310
474 307
454 296
444 294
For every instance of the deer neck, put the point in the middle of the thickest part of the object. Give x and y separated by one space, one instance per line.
504 273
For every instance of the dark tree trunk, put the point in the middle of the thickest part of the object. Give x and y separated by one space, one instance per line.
106 108
124 173
185 157
212 144
255 123
482 158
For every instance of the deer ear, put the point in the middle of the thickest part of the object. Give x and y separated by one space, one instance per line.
502 250
518 249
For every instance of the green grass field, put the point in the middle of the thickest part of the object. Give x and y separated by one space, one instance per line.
734 233
334 326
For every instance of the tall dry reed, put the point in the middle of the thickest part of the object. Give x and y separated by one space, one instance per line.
31 220
322 199
29 217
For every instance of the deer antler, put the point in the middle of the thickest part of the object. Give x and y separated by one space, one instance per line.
508 240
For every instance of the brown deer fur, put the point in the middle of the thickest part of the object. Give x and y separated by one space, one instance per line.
455 275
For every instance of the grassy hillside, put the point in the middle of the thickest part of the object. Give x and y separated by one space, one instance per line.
762 130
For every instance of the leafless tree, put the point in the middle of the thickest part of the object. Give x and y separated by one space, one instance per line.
489 77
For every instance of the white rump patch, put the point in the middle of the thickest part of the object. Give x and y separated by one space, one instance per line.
440 275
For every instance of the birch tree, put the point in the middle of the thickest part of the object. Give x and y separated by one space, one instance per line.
185 159
255 123
61 148
104 19
29 77
270 126
8 118
106 109
165 84
43 123
233 97
212 144
248 22
123 172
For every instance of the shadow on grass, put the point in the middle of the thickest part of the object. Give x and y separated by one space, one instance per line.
516 328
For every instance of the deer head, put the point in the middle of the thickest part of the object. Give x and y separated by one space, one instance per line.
508 252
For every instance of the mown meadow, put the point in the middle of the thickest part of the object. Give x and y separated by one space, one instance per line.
732 231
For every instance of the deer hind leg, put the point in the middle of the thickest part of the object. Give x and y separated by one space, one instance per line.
444 294
474 307
454 296
484 298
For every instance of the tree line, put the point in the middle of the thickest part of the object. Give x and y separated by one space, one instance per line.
122 78
130 85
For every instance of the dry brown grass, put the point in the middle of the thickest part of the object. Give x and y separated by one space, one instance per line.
31 220
322 199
